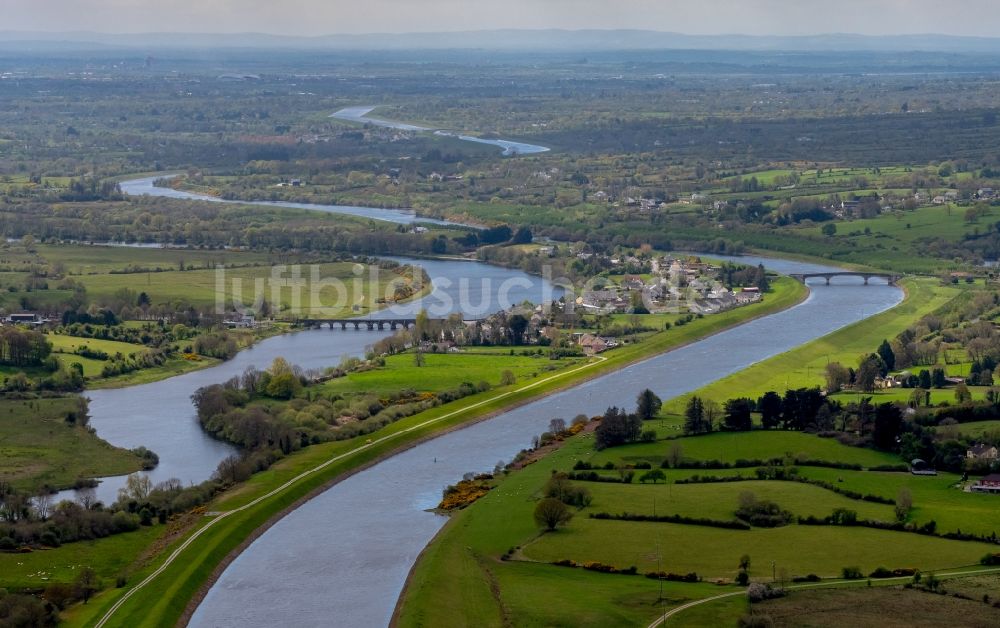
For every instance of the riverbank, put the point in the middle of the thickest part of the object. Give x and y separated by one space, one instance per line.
312 470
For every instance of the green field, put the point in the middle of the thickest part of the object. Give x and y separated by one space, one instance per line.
978 428
758 445
200 288
64 348
715 553
906 227
188 276
109 557
718 501
39 448
888 607
478 535
442 371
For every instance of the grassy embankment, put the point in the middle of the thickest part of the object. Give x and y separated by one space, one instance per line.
165 598
39 448
467 549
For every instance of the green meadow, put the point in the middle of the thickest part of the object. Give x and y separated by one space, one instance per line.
441 371
472 542
38 447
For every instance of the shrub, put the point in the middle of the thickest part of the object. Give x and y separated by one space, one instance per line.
673 577
880 572
697 521
758 592
989 559
851 573
761 513
654 476
551 513
49 539
560 487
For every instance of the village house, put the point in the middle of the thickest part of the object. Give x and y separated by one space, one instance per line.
633 282
591 343
605 301
981 451
243 321
850 208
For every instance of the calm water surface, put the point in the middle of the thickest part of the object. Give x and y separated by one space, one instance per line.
145 187
510 147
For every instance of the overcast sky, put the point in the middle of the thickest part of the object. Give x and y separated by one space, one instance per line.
319 17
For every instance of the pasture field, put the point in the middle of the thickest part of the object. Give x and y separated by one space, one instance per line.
64 349
201 288
891 607
109 557
756 445
978 428
501 524
38 447
715 553
905 227
442 371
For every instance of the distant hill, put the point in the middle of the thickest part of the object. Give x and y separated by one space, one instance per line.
556 40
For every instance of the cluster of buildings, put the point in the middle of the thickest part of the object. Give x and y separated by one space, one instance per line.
675 285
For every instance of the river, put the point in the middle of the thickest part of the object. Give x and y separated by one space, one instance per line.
343 557
510 147
145 187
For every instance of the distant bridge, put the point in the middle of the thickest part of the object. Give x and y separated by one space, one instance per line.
359 323
890 278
